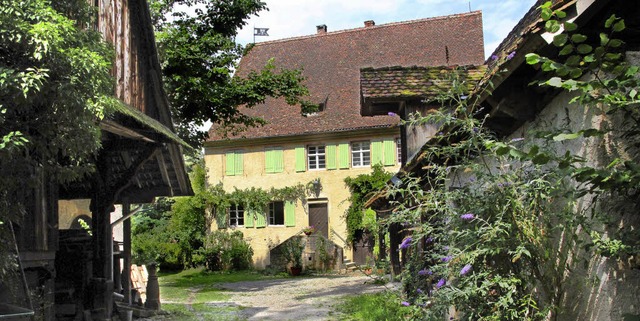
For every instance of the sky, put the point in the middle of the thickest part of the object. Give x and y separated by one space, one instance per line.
293 18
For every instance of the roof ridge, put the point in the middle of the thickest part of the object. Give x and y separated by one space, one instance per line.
385 25
416 67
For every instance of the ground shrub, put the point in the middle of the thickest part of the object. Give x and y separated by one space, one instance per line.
224 251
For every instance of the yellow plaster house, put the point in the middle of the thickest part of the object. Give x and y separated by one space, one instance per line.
320 150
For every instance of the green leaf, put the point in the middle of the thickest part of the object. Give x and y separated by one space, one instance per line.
532 58
517 153
568 136
552 26
609 22
584 49
573 61
615 43
578 38
619 26
570 26
612 56
604 39
575 73
554 82
560 14
560 39
566 50
540 159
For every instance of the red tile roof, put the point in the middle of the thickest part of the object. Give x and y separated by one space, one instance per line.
331 63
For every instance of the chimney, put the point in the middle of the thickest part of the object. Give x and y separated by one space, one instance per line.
369 23
322 29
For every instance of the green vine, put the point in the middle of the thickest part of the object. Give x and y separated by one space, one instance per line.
253 198
362 188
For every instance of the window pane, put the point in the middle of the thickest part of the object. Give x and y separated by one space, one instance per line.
276 213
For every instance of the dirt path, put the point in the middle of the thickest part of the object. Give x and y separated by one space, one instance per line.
311 298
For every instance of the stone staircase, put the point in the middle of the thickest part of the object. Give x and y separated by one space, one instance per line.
349 265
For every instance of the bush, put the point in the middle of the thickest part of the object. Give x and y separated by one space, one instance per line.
226 251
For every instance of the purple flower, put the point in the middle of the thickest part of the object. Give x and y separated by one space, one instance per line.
493 57
406 242
465 269
419 291
405 303
447 258
392 114
511 55
467 217
441 283
446 248
425 272
429 239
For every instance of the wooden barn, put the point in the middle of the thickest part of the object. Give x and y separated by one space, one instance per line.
70 274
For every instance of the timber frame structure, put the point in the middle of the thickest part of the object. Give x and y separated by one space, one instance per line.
141 158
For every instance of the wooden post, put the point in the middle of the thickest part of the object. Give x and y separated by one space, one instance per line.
102 286
394 244
126 254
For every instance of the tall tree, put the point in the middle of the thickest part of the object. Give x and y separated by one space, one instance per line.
54 88
199 54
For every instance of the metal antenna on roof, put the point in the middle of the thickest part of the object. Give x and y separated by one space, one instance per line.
469 6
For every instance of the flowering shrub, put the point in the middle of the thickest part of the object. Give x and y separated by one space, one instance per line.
503 221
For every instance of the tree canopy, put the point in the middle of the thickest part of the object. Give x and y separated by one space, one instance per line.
54 88
199 55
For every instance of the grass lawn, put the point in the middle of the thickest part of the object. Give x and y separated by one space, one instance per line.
195 294
383 306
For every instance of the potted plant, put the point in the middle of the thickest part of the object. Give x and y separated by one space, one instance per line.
292 251
309 230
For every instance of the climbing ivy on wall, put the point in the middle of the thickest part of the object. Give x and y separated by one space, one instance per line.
362 187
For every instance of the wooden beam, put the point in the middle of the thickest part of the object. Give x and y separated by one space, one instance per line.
126 268
120 130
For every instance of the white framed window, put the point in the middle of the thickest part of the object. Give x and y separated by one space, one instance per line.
316 157
236 215
360 154
399 150
276 213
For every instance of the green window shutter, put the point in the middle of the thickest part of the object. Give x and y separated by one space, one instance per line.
278 161
343 155
389 152
230 158
269 159
248 218
289 213
239 163
301 160
331 156
261 220
376 152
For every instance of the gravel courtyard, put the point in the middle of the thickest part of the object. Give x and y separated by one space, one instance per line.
297 298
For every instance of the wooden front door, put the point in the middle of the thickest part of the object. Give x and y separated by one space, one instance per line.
318 217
